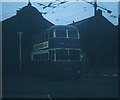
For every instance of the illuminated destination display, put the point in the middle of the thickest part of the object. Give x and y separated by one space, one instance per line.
41 46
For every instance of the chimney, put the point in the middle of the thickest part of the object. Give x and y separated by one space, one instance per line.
29 3
73 23
99 12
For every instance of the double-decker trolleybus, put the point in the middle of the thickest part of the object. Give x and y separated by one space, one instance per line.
57 52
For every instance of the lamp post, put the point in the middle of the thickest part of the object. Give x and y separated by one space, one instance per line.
20 50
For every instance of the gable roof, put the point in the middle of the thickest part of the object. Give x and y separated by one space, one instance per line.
26 19
95 21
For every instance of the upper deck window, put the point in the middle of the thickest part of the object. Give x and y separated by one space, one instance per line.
51 34
72 33
62 54
60 33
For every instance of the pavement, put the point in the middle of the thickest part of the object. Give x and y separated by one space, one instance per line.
32 85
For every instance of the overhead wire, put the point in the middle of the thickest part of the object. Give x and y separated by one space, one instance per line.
113 16
72 16
102 4
64 6
51 5
63 10
51 10
71 4
44 9
78 13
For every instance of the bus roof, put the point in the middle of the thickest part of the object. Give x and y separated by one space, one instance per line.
62 27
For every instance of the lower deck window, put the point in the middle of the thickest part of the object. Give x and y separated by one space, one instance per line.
40 57
36 57
51 55
74 54
46 56
61 54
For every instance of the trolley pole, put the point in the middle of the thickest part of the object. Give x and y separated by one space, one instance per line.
20 50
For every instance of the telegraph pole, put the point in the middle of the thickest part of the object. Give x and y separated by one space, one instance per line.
20 50
95 6
118 19
118 35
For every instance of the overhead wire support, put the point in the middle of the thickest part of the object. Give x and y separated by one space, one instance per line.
52 4
109 11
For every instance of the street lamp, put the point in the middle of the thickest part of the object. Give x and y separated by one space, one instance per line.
20 50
